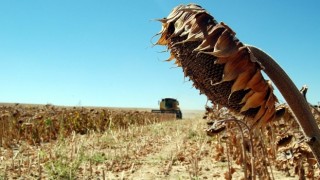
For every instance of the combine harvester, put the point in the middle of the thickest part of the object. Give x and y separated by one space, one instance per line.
169 105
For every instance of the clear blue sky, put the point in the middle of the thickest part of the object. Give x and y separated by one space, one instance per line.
99 52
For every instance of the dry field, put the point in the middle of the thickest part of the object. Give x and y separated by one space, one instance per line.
48 142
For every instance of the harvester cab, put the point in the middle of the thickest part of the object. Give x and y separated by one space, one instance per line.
169 105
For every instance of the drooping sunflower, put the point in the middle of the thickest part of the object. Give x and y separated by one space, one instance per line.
220 66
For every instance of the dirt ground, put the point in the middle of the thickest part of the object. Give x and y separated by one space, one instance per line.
162 164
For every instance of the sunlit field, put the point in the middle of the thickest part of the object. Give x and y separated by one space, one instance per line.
51 142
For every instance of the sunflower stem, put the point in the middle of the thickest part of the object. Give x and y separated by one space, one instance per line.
294 98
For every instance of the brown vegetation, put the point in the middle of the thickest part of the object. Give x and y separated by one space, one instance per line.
151 148
39 124
280 144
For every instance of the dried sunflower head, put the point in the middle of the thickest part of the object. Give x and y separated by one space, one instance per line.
219 65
